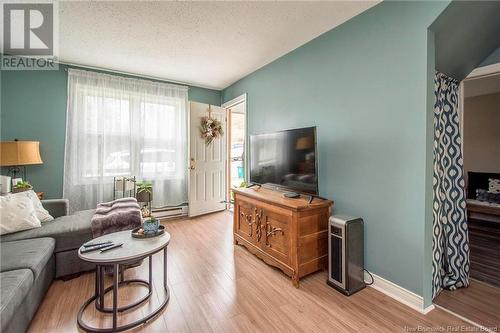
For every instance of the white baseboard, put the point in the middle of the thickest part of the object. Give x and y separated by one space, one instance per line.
399 293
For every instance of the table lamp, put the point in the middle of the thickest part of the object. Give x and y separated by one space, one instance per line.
14 154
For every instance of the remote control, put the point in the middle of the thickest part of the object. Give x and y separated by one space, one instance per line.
90 244
111 247
94 248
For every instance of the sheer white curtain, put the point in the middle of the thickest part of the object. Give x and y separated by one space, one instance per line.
118 126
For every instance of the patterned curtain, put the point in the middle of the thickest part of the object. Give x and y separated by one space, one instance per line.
450 246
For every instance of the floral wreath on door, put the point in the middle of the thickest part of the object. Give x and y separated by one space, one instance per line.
210 128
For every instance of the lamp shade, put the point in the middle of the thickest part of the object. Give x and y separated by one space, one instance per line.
14 153
305 142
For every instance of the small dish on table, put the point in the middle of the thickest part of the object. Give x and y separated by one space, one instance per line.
150 228
140 233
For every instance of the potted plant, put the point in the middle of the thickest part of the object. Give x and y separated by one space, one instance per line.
144 192
151 225
242 185
22 186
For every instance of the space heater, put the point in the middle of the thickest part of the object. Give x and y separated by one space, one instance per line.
345 251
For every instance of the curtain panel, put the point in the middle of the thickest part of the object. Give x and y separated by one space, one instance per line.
450 244
117 126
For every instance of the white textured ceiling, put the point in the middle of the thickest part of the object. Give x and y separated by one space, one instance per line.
210 44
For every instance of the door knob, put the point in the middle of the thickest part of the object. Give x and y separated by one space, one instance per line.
192 164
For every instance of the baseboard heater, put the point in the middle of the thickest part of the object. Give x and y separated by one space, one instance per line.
170 212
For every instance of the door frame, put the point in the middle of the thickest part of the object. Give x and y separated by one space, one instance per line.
477 73
227 105
188 153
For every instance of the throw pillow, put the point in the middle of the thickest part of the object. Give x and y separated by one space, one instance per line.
42 214
17 213
494 185
483 195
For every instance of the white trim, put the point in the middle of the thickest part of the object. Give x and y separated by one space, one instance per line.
229 104
483 328
427 309
398 293
483 71
461 102
241 98
478 73
188 154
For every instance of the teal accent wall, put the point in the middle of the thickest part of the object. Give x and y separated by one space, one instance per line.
365 85
465 33
33 107
493 58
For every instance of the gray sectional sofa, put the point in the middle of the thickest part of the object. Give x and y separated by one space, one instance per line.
31 259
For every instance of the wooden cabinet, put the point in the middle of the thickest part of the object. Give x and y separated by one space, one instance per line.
290 234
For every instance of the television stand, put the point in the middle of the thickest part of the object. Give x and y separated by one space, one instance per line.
252 185
290 234
312 196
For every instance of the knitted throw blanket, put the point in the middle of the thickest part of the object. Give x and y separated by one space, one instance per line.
118 215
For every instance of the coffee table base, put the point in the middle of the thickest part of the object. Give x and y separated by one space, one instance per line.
101 308
98 298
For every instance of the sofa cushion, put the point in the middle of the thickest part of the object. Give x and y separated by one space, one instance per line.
29 253
17 213
70 232
56 207
494 185
14 286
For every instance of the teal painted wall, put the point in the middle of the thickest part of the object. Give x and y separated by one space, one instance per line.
493 58
365 86
33 107
465 33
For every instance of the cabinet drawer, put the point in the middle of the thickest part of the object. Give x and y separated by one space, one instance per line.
276 235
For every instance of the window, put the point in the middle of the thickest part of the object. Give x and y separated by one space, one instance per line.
124 127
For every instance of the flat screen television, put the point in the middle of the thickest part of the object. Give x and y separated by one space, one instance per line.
287 159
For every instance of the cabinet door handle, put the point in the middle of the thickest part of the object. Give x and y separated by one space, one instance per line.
258 223
248 219
272 231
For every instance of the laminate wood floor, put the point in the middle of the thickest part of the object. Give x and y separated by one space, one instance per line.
479 302
216 286
484 242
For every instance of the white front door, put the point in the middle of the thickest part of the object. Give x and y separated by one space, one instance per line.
207 164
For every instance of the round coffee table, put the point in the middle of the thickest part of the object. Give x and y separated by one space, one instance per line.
132 250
